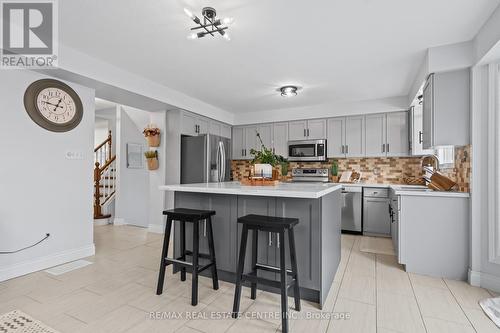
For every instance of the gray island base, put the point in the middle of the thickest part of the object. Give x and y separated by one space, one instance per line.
317 235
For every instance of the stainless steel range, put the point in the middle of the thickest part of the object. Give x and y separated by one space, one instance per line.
318 175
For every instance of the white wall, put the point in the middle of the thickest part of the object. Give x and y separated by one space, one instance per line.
132 198
101 130
40 190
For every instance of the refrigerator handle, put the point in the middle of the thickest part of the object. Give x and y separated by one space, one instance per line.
218 162
223 161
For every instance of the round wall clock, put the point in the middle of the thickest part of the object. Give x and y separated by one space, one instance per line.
53 105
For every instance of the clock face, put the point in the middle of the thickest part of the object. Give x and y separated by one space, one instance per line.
53 105
56 105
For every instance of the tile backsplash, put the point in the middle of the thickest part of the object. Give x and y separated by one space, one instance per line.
380 170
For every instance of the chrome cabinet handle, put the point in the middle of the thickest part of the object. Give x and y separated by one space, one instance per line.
205 229
383 147
387 147
270 240
420 134
347 149
308 132
278 240
342 149
243 152
305 132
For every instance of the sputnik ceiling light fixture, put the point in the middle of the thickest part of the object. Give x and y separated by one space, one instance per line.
210 25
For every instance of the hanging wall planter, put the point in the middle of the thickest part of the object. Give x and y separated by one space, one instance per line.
152 159
152 134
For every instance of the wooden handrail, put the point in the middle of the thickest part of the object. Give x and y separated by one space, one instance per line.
99 171
108 140
107 164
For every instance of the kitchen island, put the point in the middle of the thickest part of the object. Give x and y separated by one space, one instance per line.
317 236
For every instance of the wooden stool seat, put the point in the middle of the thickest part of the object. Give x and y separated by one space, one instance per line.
194 216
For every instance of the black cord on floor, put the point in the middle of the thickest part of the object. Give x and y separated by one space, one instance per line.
27 247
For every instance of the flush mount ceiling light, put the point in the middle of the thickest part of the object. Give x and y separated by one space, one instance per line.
288 91
210 25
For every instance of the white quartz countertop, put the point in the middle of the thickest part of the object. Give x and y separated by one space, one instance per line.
412 190
289 190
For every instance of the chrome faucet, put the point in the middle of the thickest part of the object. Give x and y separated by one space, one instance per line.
431 160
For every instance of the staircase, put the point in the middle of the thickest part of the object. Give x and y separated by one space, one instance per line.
104 177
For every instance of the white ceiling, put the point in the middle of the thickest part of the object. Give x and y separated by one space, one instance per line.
337 50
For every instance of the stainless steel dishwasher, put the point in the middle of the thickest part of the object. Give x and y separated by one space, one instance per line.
376 218
351 209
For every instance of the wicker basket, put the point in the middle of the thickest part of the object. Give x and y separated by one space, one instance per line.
413 181
153 140
153 163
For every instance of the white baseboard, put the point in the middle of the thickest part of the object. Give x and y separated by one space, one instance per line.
474 278
156 228
30 266
119 221
484 280
101 221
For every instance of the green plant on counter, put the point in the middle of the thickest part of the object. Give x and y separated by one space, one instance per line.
284 164
335 168
264 155
151 154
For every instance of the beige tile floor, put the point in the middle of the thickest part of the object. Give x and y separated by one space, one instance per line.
117 294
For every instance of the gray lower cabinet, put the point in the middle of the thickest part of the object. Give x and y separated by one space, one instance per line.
317 236
307 238
376 218
266 253
222 224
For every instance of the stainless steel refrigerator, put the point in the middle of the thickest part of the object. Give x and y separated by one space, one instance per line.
205 159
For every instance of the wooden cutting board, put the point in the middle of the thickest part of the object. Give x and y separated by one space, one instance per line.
440 182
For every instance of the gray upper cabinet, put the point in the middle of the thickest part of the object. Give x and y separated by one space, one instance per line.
346 137
297 130
189 124
250 140
192 124
375 135
387 134
238 142
266 134
416 131
214 127
316 129
225 131
280 139
245 139
398 142
354 136
307 129
336 137
446 108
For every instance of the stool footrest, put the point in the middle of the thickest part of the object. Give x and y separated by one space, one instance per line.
252 277
170 261
200 255
272 269
205 267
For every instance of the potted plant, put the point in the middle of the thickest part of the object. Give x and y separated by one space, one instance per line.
335 171
263 160
152 134
285 165
152 159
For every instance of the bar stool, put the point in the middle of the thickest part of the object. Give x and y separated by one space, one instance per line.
194 216
278 225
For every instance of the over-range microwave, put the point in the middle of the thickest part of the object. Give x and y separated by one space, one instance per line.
307 150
